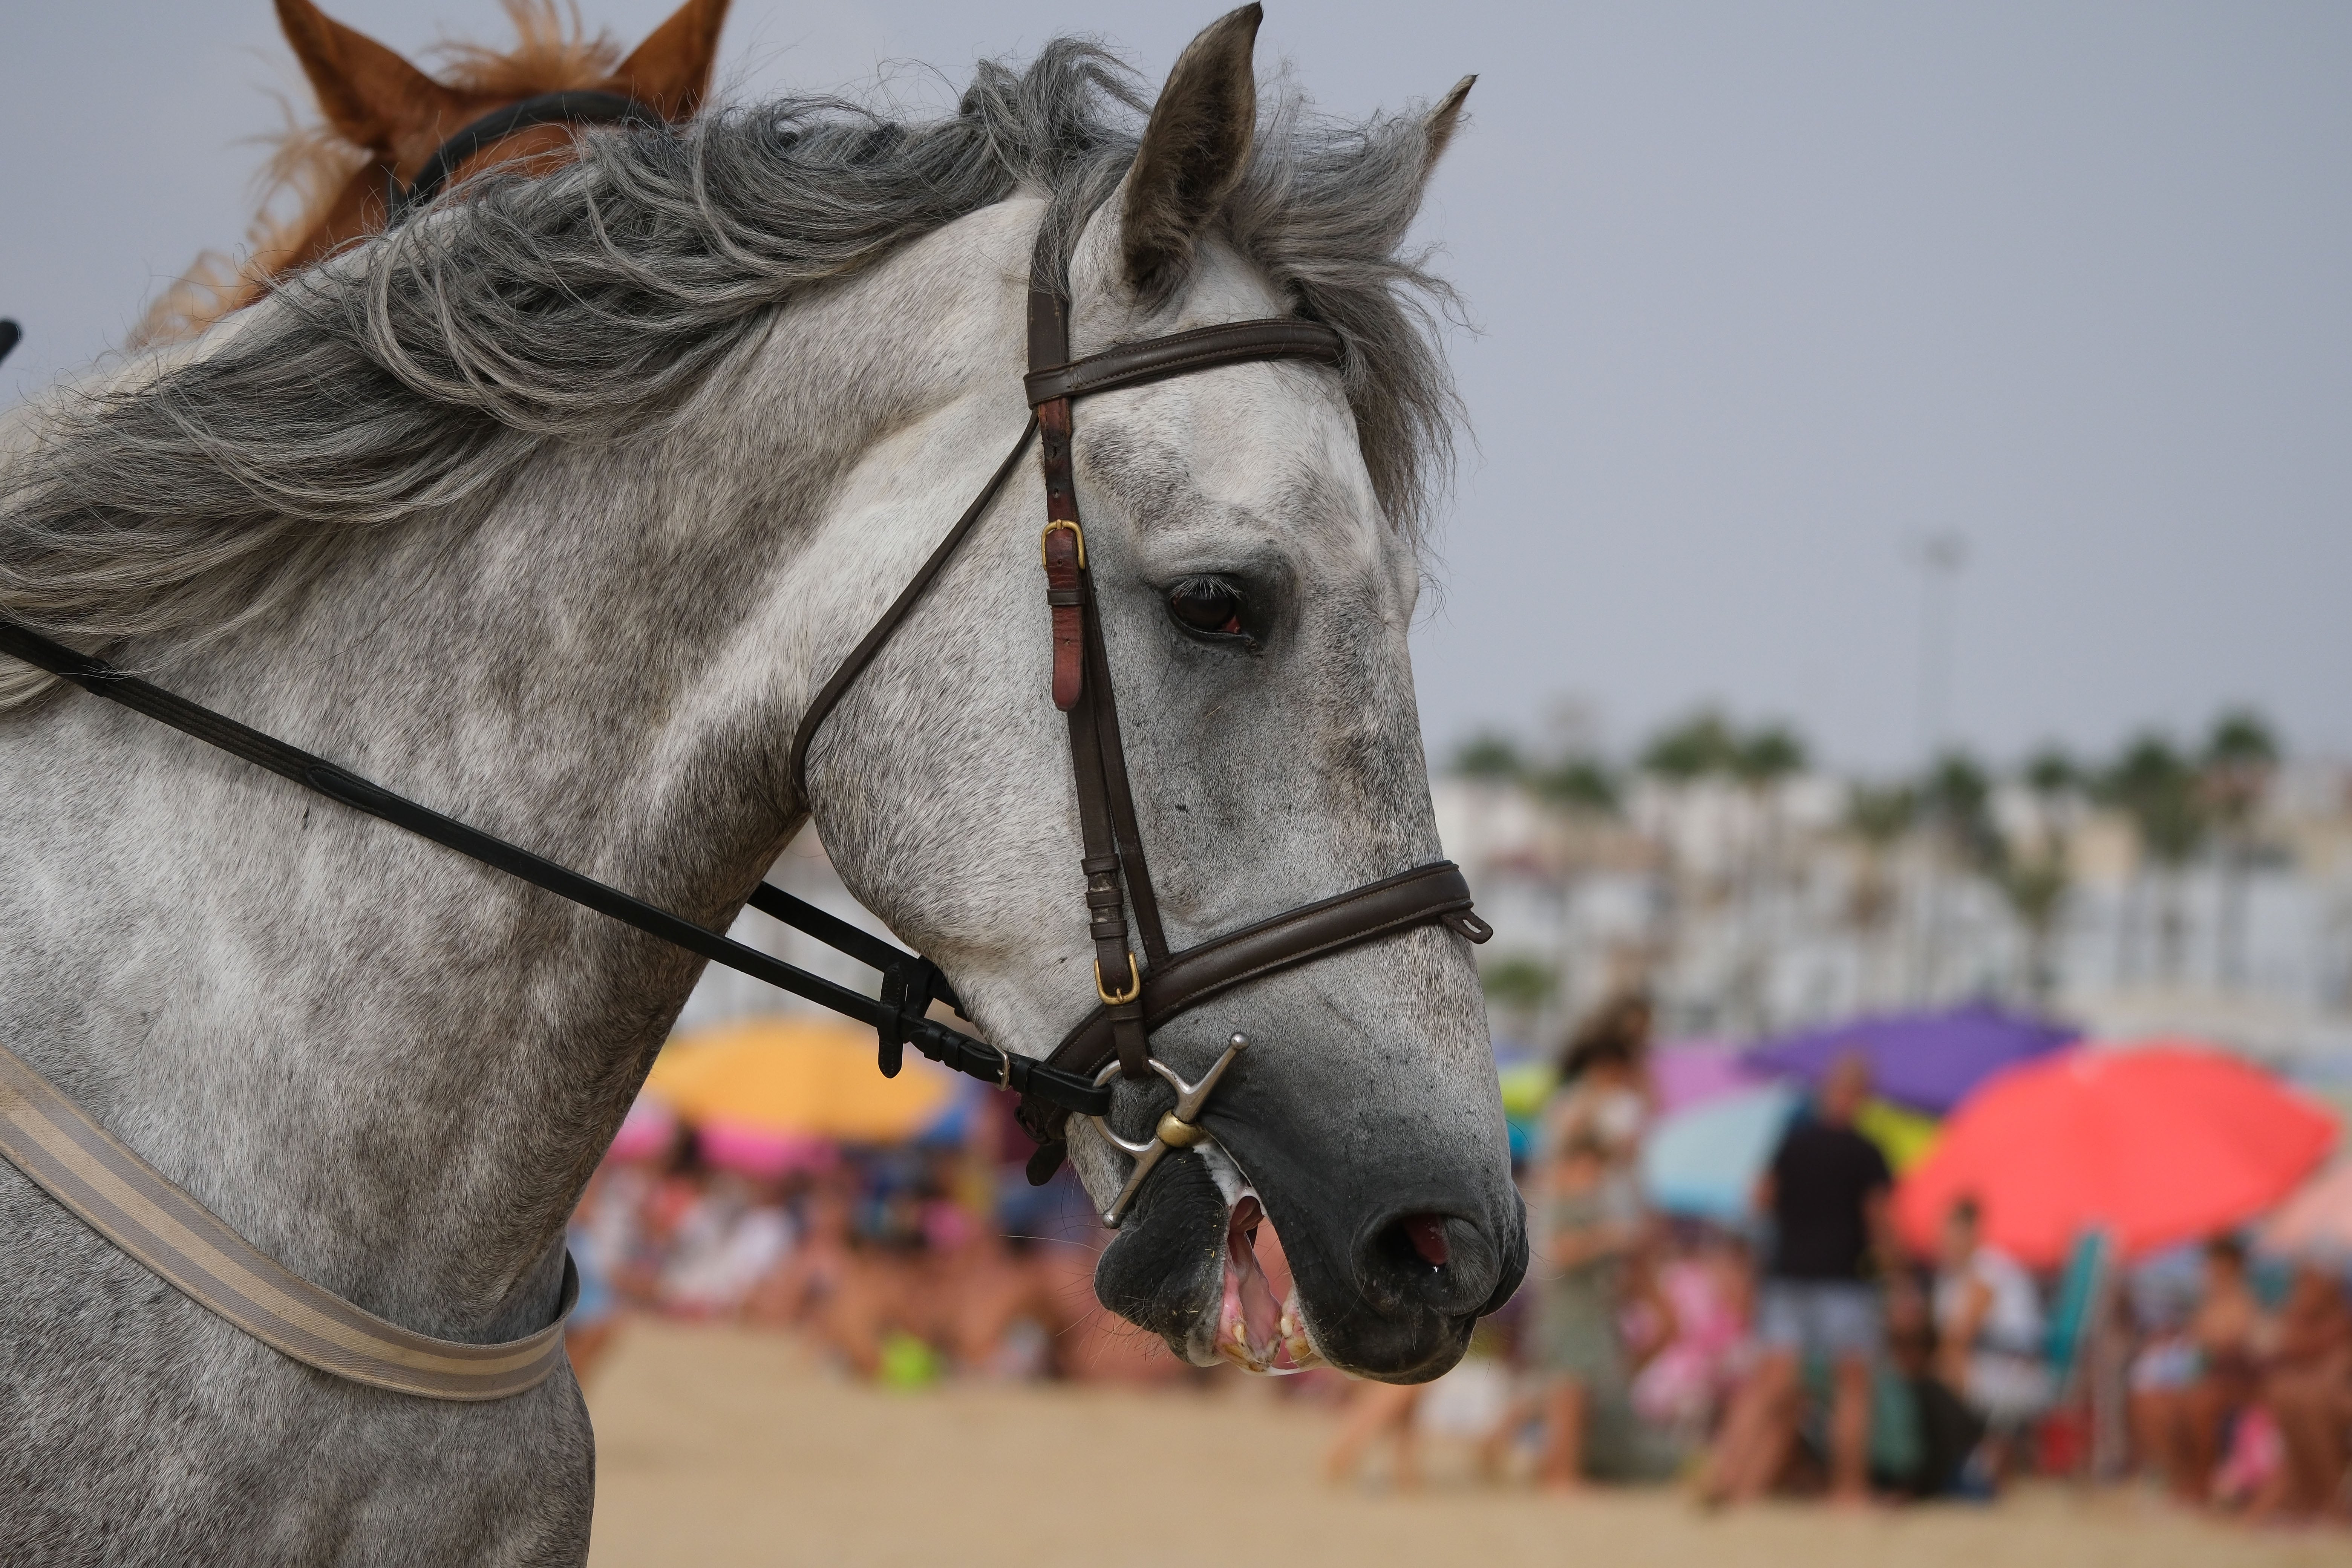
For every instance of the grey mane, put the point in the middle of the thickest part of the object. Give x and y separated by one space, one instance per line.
412 377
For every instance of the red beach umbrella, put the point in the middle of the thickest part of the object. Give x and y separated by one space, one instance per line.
2156 1144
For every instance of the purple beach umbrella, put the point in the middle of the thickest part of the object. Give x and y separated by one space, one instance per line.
1925 1061
1692 1072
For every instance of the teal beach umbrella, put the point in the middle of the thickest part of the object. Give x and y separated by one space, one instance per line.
1702 1163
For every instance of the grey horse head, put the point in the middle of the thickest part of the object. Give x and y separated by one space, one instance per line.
1277 759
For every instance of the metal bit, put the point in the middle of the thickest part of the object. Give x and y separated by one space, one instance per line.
1179 1129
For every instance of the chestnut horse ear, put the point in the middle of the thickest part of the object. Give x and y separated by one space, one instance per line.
1194 153
372 97
670 71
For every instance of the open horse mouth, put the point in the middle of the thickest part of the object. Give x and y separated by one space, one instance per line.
1186 1265
1254 1332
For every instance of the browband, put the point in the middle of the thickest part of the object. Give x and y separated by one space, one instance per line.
1179 353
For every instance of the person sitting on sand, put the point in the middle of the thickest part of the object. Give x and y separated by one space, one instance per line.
2183 1424
1989 1331
2307 1389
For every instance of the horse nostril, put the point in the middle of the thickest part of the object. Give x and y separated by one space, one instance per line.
1426 1260
1427 1234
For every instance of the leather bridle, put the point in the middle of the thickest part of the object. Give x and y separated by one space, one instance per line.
1134 994
573 107
1135 997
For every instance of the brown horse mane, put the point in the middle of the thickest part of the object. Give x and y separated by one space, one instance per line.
309 163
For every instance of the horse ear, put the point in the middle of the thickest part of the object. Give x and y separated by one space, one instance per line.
1443 121
372 97
670 71
1194 152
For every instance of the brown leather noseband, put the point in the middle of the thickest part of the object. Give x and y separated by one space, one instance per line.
1136 996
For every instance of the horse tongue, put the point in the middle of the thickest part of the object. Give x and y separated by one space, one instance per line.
1250 1318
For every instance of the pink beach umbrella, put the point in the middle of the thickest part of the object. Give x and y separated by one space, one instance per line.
763 1155
647 1133
2317 1219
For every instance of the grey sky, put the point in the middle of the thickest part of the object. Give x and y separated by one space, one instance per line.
1763 293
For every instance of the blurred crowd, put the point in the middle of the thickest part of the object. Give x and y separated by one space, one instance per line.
1802 1352
1806 1353
901 1263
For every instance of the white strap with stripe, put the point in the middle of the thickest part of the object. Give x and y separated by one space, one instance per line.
132 1205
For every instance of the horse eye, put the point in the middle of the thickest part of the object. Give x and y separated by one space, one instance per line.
1210 605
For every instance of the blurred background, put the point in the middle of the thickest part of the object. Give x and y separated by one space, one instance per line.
1890 608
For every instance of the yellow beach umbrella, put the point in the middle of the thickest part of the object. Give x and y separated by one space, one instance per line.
812 1076
1903 1136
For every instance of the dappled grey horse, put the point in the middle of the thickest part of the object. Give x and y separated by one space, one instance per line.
554 509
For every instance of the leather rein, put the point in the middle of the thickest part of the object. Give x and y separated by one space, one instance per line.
41 1130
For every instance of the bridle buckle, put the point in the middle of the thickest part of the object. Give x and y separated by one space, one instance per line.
1077 533
1134 985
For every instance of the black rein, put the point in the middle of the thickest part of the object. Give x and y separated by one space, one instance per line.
910 984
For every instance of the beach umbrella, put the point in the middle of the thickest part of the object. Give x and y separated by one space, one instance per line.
2158 1144
1692 1072
1704 1162
2317 1219
1925 1061
1904 1137
1526 1087
1684 1073
649 1129
796 1078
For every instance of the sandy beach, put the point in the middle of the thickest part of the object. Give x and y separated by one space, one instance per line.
719 1448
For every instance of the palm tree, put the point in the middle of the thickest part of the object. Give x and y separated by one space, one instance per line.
1766 756
1954 803
2154 785
1489 756
1702 744
1517 986
2241 756
1760 761
2035 883
1877 816
1579 784
1956 799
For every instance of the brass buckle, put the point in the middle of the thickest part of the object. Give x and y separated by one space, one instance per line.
1074 529
1134 985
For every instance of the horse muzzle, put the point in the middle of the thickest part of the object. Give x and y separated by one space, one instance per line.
1390 1269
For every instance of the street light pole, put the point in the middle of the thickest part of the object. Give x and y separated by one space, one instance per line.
1940 557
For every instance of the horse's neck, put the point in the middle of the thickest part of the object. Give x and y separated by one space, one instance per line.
389 1067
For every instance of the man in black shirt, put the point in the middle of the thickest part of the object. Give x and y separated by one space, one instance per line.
1826 1192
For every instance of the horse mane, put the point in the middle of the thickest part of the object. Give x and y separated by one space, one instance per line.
415 374
309 162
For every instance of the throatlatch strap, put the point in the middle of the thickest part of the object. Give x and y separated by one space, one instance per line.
126 1200
837 684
